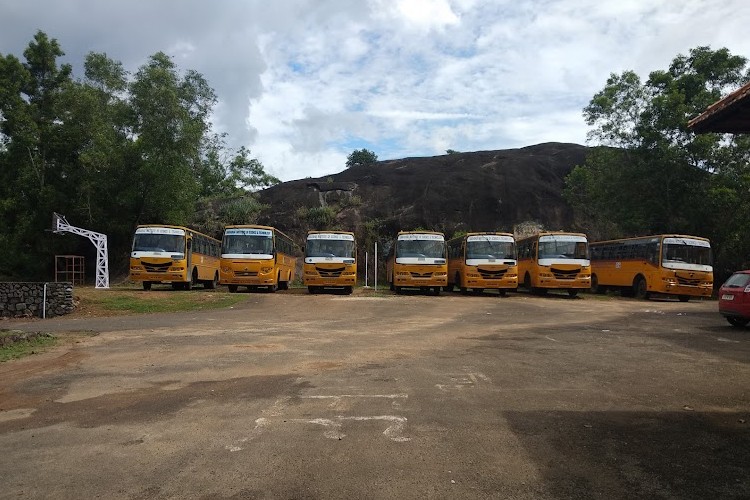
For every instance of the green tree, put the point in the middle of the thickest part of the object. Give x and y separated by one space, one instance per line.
33 158
650 173
109 151
361 157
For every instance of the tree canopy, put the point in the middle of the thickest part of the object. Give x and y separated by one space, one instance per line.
651 174
361 157
109 150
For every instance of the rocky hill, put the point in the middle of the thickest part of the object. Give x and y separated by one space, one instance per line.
478 191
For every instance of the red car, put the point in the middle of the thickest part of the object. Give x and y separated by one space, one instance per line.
734 299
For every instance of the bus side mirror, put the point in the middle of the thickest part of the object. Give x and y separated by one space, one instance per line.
189 244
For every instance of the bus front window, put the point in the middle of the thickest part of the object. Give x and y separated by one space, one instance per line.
164 243
484 249
330 248
682 253
431 249
555 249
250 245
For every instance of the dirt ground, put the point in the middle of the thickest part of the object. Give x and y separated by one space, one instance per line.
290 395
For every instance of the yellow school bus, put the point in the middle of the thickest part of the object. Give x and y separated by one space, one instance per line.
257 256
670 264
480 261
554 260
330 261
417 259
174 254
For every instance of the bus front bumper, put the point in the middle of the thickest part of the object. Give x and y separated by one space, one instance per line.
320 281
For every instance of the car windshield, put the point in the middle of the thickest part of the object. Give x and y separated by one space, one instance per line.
683 253
433 249
330 248
151 242
247 244
555 249
484 249
738 280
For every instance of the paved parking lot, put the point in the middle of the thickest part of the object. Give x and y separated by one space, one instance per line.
327 396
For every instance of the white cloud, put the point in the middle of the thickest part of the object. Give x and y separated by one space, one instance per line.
304 82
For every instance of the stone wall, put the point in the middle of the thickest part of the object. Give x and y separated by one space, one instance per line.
25 299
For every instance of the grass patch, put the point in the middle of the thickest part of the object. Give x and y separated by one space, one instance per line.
15 344
115 301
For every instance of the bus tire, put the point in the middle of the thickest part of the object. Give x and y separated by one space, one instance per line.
640 287
273 288
464 290
436 290
502 292
232 288
527 282
193 280
348 290
572 292
397 289
147 285
683 298
478 291
211 284
596 287
448 287
311 290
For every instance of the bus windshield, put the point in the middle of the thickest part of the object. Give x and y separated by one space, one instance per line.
257 246
563 249
484 249
432 249
153 242
330 248
679 252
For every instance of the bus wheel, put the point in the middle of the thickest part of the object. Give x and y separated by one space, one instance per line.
572 292
448 287
311 290
683 298
147 285
273 288
193 281
232 288
502 292
640 289
436 291
464 290
348 290
478 291
211 285
397 289
596 287
527 282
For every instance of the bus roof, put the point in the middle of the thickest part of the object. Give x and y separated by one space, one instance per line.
481 233
185 228
421 232
551 233
330 232
255 226
659 236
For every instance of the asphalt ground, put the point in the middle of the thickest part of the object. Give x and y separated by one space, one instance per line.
290 395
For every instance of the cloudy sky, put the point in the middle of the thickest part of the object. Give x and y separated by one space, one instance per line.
303 83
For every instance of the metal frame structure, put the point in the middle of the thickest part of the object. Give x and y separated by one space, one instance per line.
60 225
70 268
